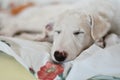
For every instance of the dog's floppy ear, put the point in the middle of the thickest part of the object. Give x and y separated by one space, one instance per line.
49 32
99 26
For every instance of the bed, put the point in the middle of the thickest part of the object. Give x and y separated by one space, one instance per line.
94 63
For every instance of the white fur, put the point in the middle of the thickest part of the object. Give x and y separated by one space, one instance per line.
33 19
93 17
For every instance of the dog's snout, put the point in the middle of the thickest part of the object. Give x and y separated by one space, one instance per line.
60 56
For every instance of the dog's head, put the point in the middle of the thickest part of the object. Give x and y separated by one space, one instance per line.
74 32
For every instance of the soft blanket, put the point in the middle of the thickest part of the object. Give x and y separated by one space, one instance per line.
94 63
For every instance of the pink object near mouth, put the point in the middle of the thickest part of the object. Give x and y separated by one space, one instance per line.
49 71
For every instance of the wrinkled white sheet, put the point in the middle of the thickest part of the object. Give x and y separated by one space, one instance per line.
94 61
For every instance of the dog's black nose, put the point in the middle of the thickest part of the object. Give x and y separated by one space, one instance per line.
60 56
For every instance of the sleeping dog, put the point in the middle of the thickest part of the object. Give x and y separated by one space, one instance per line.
76 29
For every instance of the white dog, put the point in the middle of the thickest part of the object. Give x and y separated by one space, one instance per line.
33 19
77 29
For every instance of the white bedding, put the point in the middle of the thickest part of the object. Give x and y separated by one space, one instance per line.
94 61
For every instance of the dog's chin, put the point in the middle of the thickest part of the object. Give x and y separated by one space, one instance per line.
60 62
57 62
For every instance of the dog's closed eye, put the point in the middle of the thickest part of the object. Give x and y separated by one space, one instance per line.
58 32
78 32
